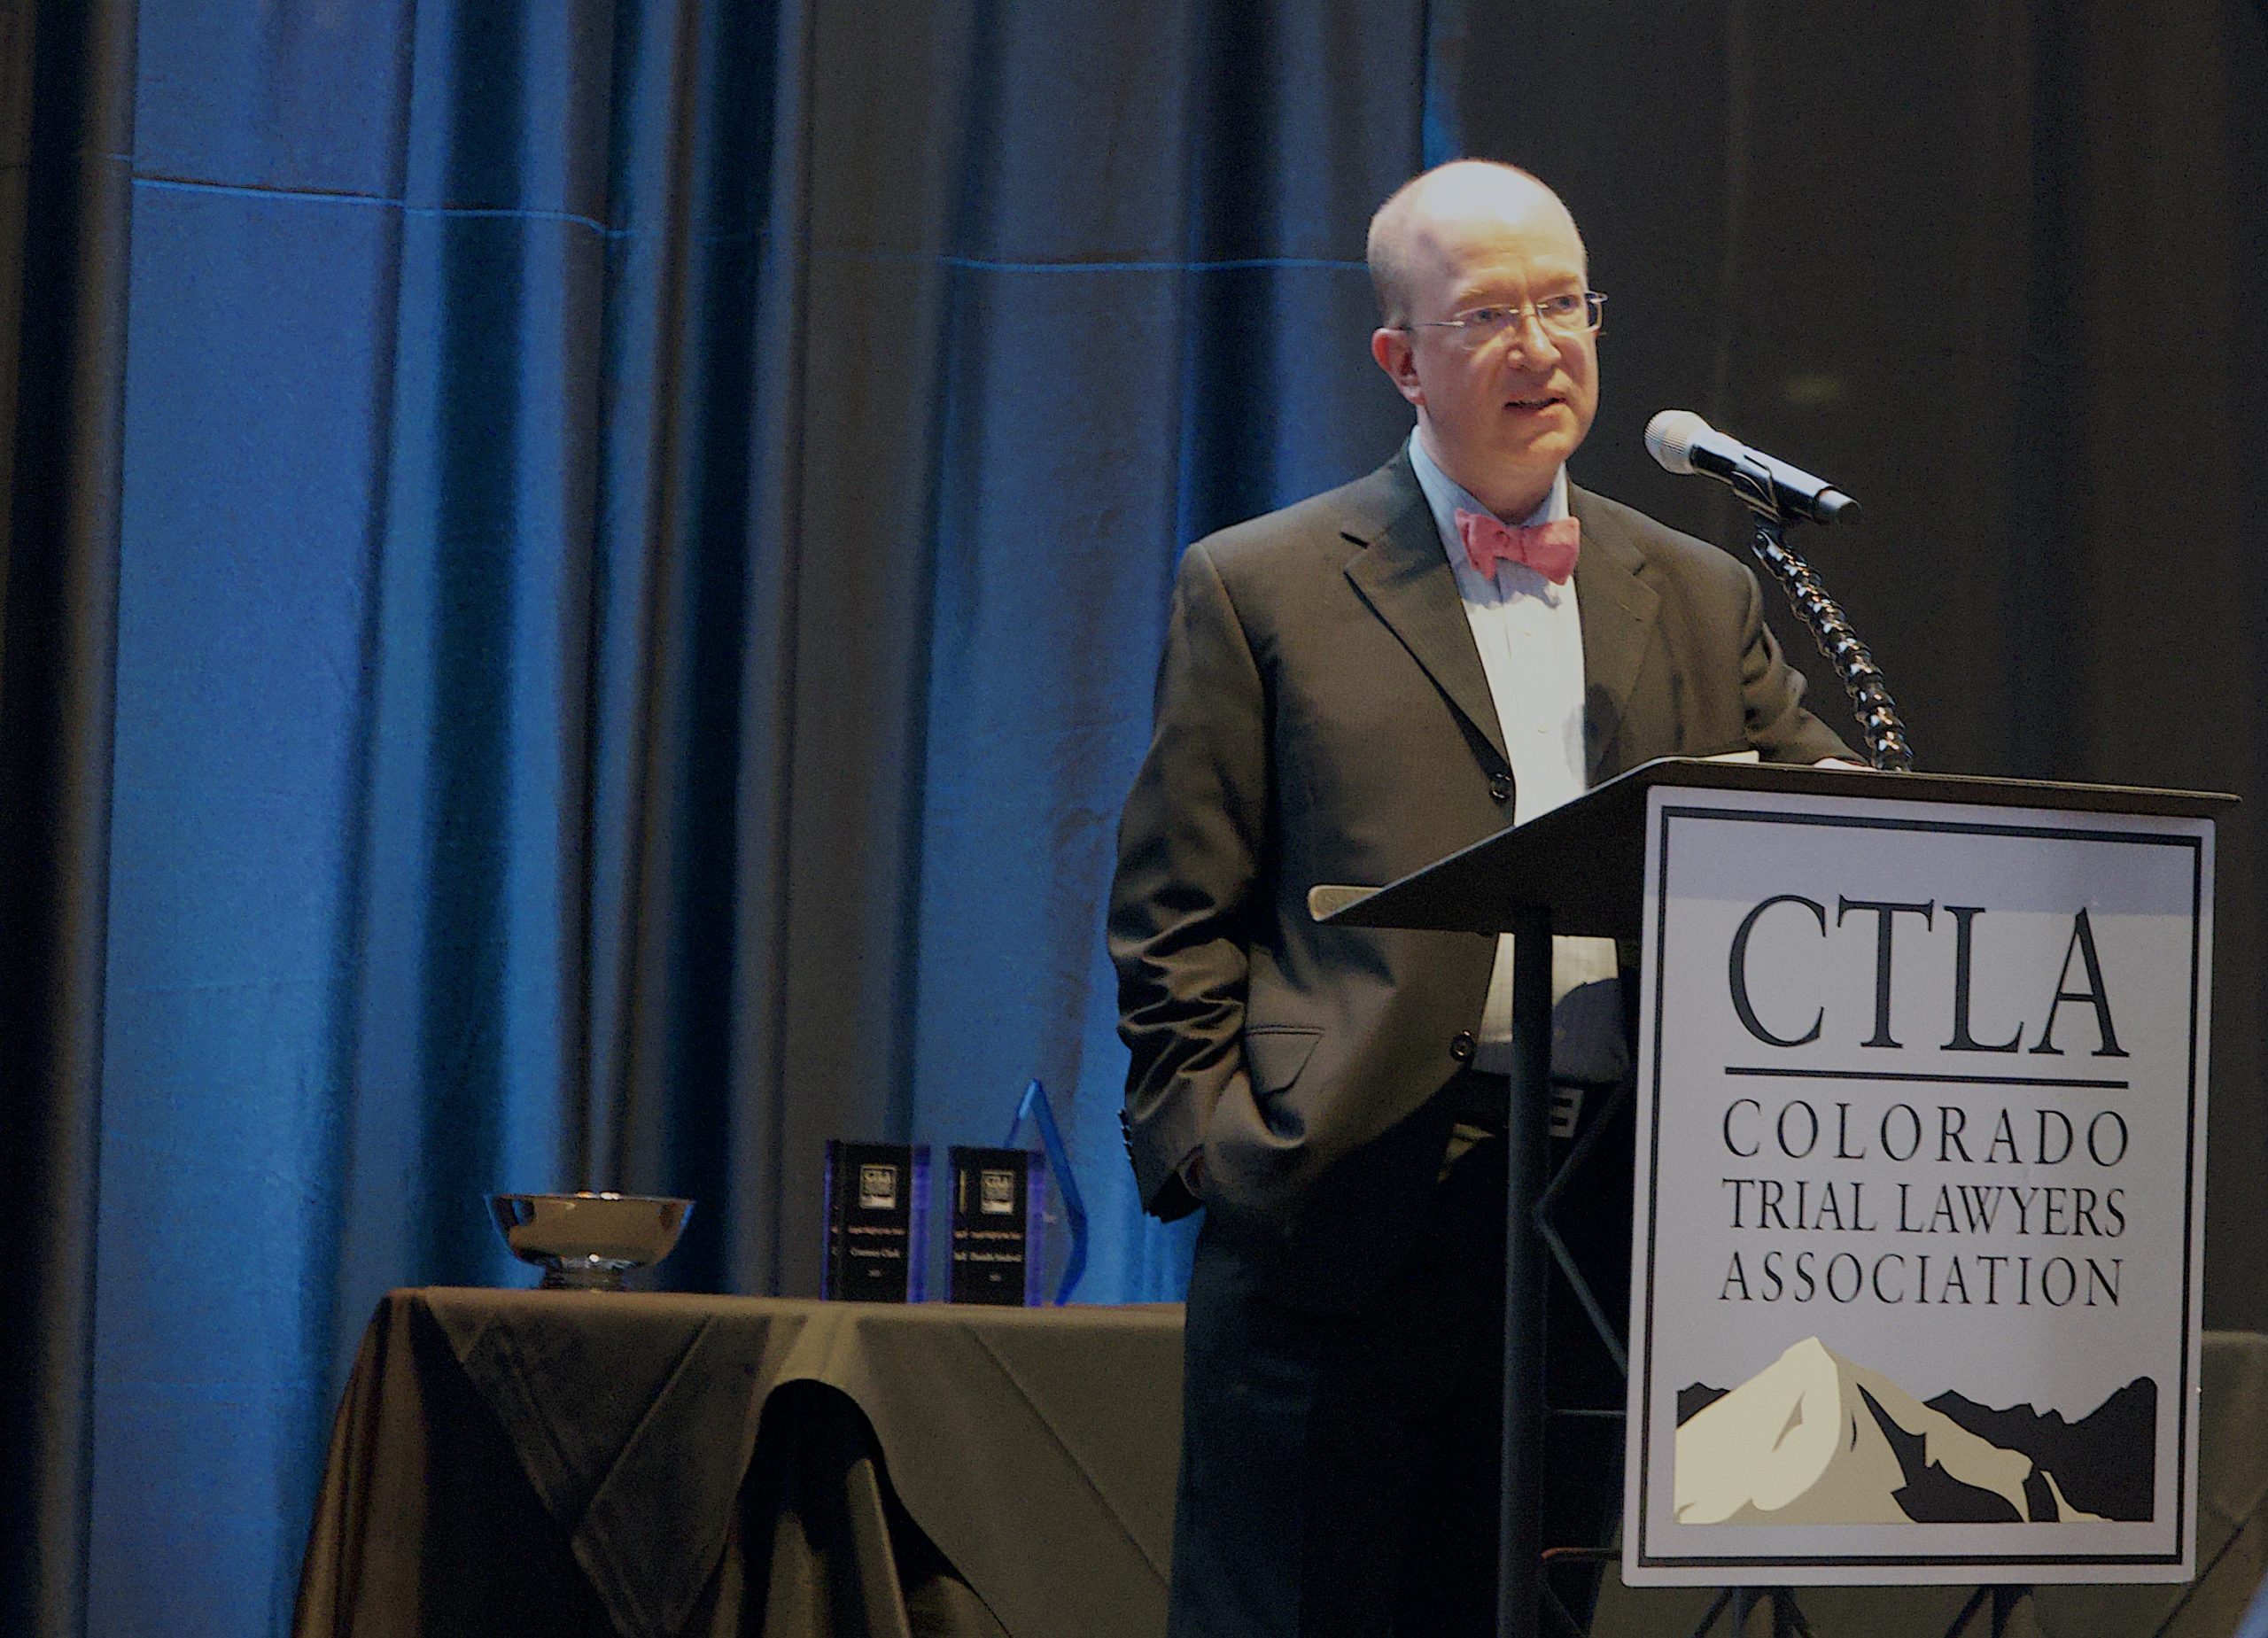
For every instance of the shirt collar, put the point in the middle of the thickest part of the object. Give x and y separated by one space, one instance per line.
1444 495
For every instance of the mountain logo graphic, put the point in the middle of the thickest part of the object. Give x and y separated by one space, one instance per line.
1814 1439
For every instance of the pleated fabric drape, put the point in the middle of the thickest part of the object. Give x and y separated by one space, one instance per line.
582 592
66 121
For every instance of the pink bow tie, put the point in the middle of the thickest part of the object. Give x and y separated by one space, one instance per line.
1548 548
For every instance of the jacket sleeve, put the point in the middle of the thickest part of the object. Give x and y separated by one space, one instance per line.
1192 856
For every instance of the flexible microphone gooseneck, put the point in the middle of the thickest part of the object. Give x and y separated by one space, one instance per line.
1774 492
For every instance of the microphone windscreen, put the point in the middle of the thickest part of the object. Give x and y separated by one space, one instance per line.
1669 438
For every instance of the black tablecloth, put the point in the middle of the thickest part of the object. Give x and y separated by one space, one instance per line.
651 1465
644 1466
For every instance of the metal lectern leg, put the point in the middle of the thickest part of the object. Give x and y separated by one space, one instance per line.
1527 1270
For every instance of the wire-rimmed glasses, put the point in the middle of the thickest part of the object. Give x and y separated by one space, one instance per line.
1563 316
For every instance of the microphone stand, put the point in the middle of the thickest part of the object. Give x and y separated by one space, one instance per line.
1862 679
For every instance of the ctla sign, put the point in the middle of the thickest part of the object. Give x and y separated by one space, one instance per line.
1916 1272
2080 951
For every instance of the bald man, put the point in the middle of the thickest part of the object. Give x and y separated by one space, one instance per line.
1352 689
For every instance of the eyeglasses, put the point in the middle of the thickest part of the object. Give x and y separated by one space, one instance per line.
1568 315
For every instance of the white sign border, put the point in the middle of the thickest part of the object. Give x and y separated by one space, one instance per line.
1639 1569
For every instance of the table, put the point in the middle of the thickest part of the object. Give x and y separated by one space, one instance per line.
650 1466
656 1467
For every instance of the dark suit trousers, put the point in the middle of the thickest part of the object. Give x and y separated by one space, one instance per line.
1339 1473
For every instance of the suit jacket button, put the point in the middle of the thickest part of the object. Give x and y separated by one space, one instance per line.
1500 786
1462 1047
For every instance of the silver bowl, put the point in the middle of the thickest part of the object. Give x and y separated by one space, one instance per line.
588 1242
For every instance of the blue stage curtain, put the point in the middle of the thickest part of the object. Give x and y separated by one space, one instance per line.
641 535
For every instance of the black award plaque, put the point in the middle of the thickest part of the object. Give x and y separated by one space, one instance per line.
996 1218
877 1196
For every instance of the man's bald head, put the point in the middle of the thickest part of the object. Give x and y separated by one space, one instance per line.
1467 259
1403 230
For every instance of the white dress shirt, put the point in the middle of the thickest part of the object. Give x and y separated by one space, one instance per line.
1531 640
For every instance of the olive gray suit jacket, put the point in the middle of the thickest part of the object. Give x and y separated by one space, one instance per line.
1322 716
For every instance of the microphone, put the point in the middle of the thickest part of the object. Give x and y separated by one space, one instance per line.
1681 441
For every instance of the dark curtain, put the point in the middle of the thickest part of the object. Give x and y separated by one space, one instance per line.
581 580
66 130
2001 270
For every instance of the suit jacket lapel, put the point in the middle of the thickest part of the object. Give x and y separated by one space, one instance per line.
1619 613
1404 575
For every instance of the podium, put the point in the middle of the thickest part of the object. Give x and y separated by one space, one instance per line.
1916 1258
